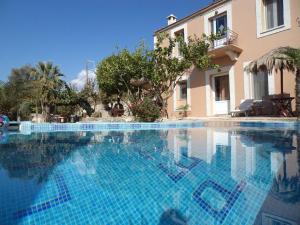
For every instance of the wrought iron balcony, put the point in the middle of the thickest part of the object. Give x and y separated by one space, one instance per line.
226 44
228 37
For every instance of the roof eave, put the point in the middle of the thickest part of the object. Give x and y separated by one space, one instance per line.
197 13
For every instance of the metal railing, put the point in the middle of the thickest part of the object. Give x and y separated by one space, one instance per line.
228 37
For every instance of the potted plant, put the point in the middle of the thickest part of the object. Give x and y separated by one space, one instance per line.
183 111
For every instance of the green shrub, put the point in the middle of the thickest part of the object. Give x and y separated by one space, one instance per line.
146 110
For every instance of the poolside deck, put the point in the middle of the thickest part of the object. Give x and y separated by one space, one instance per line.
241 119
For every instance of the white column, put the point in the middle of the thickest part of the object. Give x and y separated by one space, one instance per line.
234 157
271 83
250 160
232 88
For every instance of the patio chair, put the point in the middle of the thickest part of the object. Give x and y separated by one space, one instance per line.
244 108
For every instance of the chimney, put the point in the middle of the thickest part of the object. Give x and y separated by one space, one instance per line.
171 19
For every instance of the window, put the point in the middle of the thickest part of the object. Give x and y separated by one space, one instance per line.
273 16
274 13
183 90
179 34
260 85
219 25
222 88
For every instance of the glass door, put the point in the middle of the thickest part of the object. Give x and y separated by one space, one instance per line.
222 94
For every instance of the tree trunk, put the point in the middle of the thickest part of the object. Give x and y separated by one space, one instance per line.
43 112
165 108
47 110
36 111
298 93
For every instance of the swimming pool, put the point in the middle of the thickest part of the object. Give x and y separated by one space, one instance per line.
246 174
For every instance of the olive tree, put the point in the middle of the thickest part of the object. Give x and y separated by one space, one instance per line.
152 74
167 70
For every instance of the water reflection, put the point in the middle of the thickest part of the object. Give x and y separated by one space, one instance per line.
35 156
285 144
3 137
173 217
236 153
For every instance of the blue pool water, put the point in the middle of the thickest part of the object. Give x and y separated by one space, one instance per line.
199 175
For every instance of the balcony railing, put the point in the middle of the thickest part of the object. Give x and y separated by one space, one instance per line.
229 37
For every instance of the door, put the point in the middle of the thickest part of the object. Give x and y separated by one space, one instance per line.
222 94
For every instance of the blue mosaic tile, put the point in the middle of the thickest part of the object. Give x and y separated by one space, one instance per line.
270 124
145 154
178 176
63 196
122 175
86 127
229 196
27 127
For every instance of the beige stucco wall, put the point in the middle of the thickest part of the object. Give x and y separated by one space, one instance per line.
244 24
196 26
197 85
198 96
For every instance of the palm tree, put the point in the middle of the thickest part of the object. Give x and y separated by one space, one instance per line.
48 83
294 54
3 99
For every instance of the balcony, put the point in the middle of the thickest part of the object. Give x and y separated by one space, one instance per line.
226 46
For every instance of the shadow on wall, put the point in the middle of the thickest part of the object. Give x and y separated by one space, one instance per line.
173 217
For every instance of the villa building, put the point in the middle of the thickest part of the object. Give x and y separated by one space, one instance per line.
250 29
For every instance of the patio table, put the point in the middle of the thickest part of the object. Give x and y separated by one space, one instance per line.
283 105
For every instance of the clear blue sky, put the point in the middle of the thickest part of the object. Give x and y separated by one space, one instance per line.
68 32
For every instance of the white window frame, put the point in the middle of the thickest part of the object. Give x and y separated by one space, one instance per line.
154 42
213 22
249 85
209 89
176 29
180 90
226 8
176 98
260 19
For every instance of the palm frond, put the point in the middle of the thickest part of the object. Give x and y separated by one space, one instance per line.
275 59
294 53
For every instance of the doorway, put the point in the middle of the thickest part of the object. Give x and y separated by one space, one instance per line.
222 94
